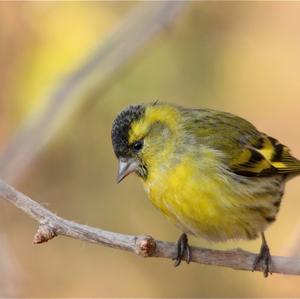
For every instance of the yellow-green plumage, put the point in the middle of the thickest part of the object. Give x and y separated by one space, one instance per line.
211 173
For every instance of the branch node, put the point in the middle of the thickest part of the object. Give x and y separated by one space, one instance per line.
44 234
145 245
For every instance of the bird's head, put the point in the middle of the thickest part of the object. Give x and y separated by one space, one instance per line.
143 138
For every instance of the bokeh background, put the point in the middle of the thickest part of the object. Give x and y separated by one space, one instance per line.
242 57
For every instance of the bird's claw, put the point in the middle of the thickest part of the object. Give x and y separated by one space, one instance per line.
183 250
264 257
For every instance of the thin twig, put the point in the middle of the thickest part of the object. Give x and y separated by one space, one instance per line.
139 27
51 225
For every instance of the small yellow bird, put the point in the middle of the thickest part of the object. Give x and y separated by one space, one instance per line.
211 173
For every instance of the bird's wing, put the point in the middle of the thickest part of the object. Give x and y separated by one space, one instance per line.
247 151
265 156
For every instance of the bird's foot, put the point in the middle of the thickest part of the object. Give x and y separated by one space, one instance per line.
183 250
264 257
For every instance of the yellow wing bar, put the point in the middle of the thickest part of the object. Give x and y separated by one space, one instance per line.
265 157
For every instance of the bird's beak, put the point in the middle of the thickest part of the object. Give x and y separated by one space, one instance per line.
126 166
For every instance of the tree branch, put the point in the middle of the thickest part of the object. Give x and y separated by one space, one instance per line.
51 225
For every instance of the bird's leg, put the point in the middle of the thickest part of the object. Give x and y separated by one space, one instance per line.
183 249
264 256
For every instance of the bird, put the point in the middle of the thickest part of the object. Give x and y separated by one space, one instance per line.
211 173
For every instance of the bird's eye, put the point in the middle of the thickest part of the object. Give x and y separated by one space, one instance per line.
138 145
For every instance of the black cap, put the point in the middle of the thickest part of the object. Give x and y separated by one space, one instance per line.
121 127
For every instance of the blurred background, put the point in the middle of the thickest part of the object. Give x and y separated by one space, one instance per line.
67 69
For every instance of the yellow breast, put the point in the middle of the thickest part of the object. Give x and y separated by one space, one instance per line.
200 200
